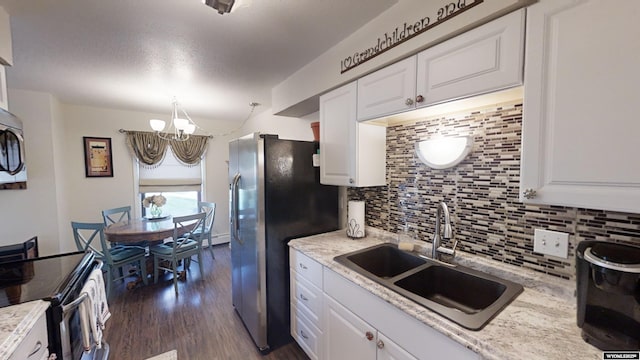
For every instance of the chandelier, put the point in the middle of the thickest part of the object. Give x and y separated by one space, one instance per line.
180 127
222 6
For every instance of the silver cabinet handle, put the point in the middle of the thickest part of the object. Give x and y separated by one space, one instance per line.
303 335
408 102
304 298
529 193
302 266
351 181
380 344
35 349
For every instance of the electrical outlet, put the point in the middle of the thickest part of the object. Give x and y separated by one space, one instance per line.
552 243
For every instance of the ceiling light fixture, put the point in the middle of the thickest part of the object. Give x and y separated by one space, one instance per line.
180 128
223 6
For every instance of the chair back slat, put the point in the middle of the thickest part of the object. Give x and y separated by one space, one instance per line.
90 236
116 215
210 209
195 233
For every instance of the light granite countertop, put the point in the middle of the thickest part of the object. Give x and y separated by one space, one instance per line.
15 323
539 324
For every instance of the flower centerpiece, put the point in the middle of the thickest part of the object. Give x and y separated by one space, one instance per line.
154 203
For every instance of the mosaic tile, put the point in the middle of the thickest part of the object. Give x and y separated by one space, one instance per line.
482 195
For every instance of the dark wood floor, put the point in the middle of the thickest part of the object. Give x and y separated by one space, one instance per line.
199 323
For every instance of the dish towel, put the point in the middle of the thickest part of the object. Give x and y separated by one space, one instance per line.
94 311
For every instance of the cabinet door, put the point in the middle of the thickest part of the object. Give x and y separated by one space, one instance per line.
580 128
482 60
387 91
35 343
337 134
388 350
346 336
6 53
4 103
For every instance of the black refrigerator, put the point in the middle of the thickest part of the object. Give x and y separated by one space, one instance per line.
275 196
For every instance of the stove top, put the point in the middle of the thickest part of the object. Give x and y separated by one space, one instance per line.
37 278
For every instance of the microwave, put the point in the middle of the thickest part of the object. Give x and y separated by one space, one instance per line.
13 169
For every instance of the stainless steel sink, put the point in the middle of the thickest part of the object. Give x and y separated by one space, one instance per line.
468 297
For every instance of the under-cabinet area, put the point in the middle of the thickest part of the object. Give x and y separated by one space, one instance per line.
360 318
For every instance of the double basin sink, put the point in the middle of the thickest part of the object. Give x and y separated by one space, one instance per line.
465 296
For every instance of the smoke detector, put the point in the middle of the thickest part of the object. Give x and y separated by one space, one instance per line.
222 6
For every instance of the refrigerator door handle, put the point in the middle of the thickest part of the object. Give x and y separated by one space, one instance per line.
234 207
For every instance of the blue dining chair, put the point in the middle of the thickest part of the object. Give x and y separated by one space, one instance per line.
210 209
116 215
181 248
90 237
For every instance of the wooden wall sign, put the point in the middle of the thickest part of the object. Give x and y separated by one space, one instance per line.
406 32
97 157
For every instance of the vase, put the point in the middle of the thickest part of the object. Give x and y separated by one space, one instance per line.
315 127
155 210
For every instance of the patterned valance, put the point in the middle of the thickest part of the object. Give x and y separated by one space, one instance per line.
150 149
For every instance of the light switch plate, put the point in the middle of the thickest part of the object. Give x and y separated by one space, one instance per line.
552 243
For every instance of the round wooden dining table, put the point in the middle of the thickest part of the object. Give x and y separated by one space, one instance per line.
151 230
142 229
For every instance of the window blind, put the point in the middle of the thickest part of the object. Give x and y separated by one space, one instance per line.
170 175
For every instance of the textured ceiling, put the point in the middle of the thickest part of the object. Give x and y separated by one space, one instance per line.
140 54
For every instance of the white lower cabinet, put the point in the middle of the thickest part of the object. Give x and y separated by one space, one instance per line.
333 318
349 337
34 345
389 350
400 335
306 303
306 334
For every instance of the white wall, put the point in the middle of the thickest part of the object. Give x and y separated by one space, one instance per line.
34 211
57 189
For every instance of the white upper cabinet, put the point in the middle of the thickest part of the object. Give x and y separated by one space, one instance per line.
4 103
580 126
387 91
6 53
351 153
485 59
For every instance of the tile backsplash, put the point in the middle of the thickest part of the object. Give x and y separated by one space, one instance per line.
482 194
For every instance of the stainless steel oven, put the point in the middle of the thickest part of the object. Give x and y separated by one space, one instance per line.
58 279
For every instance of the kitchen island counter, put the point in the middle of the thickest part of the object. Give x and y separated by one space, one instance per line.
539 324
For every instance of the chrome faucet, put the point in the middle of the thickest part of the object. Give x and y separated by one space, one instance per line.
447 233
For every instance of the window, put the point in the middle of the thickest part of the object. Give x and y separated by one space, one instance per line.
180 184
178 202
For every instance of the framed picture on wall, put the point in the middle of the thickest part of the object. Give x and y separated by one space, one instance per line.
97 157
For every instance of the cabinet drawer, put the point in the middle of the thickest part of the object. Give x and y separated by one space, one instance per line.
34 345
306 334
309 269
306 295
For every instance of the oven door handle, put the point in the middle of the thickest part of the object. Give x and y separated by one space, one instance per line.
75 303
